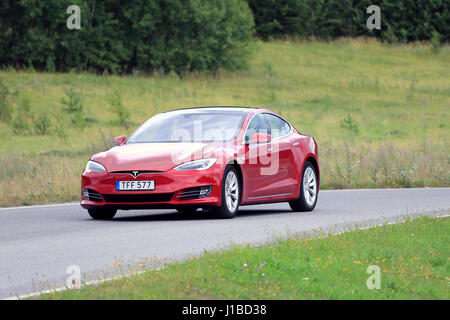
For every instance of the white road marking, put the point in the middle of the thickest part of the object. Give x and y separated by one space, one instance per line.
41 206
89 283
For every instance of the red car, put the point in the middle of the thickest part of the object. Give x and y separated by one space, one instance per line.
214 158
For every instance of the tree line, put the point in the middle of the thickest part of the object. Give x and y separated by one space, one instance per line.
401 20
122 36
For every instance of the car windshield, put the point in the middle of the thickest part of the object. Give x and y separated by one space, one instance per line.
190 126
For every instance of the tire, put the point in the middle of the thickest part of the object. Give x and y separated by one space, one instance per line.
102 213
307 202
229 208
187 210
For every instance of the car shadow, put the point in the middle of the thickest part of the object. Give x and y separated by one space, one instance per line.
250 212
201 215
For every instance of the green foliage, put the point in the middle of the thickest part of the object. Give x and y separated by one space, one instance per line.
389 36
25 106
72 103
5 106
126 36
26 123
350 125
50 67
117 107
78 120
59 127
436 42
401 20
20 126
42 124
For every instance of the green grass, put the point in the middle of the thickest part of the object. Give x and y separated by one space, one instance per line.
390 104
413 258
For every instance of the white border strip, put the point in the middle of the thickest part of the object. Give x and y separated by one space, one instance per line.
41 206
89 283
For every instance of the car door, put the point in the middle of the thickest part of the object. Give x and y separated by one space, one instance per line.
285 170
255 162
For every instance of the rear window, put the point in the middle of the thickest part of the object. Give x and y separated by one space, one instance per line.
278 127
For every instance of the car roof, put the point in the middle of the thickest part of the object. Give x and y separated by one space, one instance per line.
217 108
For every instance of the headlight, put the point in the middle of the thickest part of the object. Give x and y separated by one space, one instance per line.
93 166
197 165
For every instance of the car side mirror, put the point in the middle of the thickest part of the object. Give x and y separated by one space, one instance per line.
120 140
260 138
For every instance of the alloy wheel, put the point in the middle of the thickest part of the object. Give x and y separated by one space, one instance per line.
231 191
309 186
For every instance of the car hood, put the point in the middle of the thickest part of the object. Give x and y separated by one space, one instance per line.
151 156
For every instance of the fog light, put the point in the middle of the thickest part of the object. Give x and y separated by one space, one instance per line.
205 191
85 194
91 195
195 193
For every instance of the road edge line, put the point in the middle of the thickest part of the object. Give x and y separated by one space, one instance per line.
55 205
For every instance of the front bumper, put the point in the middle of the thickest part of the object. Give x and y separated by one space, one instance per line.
171 188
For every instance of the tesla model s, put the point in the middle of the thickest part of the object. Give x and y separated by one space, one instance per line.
211 158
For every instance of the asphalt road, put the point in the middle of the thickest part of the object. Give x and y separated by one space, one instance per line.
37 244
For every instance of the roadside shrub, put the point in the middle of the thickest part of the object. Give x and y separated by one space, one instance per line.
403 178
42 124
384 165
20 126
72 102
35 172
349 124
22 123
117 107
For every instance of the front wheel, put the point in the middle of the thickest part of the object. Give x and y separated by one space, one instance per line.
231 189
102 213
308 190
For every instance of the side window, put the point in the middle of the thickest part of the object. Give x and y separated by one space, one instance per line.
256 125
278 126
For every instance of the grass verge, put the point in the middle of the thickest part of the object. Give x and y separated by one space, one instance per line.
413 258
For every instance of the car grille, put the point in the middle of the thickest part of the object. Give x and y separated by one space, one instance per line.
126 198
132 172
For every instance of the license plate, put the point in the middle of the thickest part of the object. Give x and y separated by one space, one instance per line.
135 185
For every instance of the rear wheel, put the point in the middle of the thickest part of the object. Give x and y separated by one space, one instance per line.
231 189
102 213
308 190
